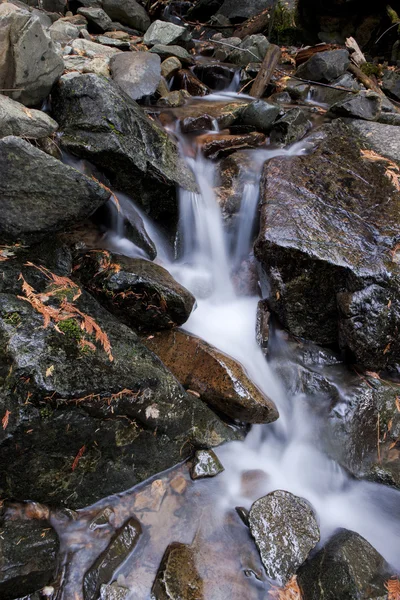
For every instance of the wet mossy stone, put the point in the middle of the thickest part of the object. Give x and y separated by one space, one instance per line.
205 464
177 577
39 194
142 294
28 556
101 123
329 225
347 567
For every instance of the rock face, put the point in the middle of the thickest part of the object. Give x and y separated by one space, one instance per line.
102 124
29 63
364 105
28 556
324 234
16 119
39 194
142 294
325 66
103 569
80 448
220 380
177 577
346 567
285 531
381 138
137 73
127 12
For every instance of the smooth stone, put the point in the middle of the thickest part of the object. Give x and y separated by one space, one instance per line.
214 145
170 66
177 577
260 114
137 73
16 119
162 32
285 530
127 12
325 66
205 464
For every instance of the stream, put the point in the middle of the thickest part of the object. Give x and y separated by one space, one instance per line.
288 454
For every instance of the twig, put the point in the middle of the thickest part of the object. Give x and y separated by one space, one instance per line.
385 32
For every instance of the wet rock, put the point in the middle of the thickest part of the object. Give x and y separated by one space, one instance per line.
220 380
34 204
260 114
91 49
172 50
29 63
292 127
379 137
222 51
127 12
170 66
325 66
213 145
28 556
252 48
215 75
262 325
162 32
17 120
137 73
338 248
63 32
113 592
142 294
285 530
391 84
103 569
102 124
174 99
329 96
297 89
234 172
364 105
177 577
205 464
98 20
202 116
186 80
346 567
98 66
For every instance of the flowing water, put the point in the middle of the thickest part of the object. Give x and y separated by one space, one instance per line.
283 455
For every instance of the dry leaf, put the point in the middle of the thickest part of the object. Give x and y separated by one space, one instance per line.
398 403
291 591
49 371
392 171
372 374
5 419
393 588
78 458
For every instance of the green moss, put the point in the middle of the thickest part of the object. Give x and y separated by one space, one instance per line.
284 30
46 412
13 319
71 329
370 69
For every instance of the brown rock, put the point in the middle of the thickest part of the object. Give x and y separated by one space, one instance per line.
218 378
215 144
177 577
185 79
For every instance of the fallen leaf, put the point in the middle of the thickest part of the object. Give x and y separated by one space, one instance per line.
49 371
78 458
5 419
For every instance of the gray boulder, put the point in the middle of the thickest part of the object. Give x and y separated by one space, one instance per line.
137 73
292 127
92 50
260 114
364 105
127 12
325 66
391 84
161 32
39 194
29 64
346 567
173 50
285 530
98 20
16 119
102 124
63 32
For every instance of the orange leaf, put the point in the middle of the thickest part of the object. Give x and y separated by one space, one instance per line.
4 420
393 588
78 457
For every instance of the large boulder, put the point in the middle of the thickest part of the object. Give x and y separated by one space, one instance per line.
217 378
104 125
161 32
16 119
137 73
39 194
29 64
285 530
346 567
325 66
329 226
127 12
103 413
140 293
381 138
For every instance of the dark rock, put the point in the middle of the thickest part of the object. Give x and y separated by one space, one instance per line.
382 138
214 145
177 577
202 115
236 9
313 249
39 194
142 294
29 64
215 75
107 41
391 84
15 119
173 50
285 530
174 99
252 48
98 20
219 379
260 114
102 124
164 33
137 73
364 105
186 80
205 464
325 66
262 325
103 569
346 567
329 95
28 556
292 127
127 12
